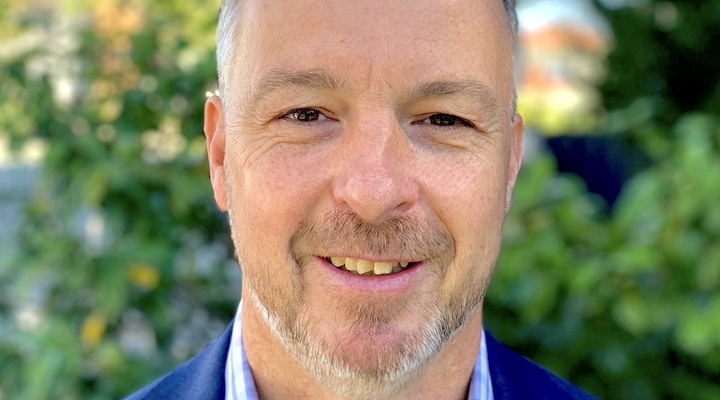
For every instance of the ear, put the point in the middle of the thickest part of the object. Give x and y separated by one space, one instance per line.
214 128
516 141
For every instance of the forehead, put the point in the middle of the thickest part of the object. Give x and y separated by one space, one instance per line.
370 42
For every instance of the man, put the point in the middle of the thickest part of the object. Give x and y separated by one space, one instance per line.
365 152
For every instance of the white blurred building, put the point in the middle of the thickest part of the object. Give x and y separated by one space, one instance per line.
563 47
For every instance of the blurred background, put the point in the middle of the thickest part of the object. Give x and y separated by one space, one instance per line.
115 265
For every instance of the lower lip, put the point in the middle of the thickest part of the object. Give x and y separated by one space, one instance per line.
390 284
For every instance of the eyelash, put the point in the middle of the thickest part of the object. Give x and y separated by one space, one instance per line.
293 115
455 120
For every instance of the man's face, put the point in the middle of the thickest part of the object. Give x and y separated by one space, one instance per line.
372 135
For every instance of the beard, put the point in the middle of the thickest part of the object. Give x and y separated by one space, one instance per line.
353 365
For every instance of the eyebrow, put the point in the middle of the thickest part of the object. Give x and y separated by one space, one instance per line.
474 90
277 79
283 79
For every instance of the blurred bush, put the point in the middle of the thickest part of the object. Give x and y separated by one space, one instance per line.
626 301
123 265
626 305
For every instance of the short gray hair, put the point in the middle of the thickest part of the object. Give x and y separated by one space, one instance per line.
512 18
229 14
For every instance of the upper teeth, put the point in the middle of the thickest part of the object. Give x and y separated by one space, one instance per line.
364 266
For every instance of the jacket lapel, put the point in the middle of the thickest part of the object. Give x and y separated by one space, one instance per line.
201 378
516 378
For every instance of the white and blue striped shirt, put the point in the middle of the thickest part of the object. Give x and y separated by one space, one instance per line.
239 383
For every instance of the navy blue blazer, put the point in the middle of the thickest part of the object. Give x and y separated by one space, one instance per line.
513 377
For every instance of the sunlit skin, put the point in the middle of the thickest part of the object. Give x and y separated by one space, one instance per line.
383 115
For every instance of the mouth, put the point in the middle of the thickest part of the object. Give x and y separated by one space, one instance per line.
358 266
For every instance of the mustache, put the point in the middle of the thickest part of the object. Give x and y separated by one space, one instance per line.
344 233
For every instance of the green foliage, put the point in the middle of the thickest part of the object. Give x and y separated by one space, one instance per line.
664 65
121 269
626 304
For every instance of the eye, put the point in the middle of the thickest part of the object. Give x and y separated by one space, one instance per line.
305 115
446 120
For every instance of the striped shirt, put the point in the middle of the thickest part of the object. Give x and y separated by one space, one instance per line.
239 383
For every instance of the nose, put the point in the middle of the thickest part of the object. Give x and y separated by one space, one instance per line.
376 181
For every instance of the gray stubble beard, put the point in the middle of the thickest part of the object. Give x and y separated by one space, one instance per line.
293 327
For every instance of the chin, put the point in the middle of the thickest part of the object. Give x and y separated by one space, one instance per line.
368 360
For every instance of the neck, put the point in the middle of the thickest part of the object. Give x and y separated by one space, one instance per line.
278 376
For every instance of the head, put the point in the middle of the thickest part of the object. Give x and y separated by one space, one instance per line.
228 25
368 134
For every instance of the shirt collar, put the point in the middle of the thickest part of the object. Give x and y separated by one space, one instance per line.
239 383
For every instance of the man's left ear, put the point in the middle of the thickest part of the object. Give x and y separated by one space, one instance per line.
516 141
214 128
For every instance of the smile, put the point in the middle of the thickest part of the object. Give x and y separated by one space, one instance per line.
365 267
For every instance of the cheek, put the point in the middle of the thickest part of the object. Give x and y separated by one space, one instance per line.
273 195
469 196
474 217
472 208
